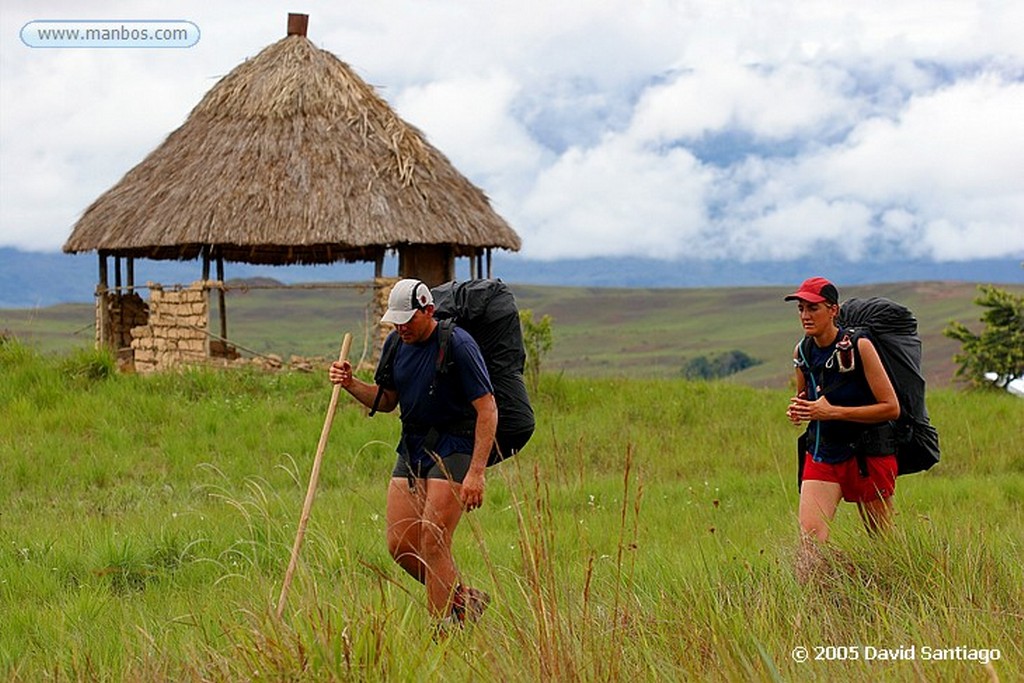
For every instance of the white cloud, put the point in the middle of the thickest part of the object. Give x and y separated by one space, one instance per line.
951 161
967 139
594 202
769 103
471 122
776 129
802 226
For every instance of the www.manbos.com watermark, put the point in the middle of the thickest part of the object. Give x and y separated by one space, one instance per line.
132 33
873 653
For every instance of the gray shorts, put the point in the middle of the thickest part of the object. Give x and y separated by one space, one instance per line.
454 466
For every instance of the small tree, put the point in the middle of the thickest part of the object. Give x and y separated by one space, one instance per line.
1000 346
537 339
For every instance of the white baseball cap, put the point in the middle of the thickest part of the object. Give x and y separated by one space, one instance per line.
407 297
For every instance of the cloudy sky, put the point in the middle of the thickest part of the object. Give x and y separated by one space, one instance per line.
748 130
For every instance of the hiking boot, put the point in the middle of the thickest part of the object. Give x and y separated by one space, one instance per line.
476 602
468 604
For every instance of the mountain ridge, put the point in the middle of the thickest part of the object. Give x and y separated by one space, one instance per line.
32 279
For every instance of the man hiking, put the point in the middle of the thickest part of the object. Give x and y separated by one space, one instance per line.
448 426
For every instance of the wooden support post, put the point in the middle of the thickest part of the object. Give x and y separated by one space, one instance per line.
102 310
432 263
378 265
131 273
103 270
117 334
206 263
220 300
490 272
206 297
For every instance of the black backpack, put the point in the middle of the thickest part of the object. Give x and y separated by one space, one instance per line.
892 329
486 309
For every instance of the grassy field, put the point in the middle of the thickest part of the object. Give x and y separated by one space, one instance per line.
647 532
643 333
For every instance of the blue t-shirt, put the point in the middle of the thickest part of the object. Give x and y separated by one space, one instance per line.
444 404
834 441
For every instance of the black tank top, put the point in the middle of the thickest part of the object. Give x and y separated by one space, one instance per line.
834 441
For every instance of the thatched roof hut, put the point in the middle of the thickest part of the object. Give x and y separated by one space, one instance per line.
291 159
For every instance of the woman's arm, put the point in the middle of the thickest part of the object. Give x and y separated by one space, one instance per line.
801 390
888 405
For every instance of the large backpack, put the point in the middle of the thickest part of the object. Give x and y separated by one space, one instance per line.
892 329
486 309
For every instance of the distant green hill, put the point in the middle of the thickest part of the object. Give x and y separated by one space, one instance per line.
30 279
598 331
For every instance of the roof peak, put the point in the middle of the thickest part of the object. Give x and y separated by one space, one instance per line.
297 24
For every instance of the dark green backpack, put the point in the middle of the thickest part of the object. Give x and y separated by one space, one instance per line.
487 310
892 329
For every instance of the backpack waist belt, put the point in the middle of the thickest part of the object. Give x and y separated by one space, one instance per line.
874 441
431 433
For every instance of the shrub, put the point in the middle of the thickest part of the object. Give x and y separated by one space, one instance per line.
722 365
538 341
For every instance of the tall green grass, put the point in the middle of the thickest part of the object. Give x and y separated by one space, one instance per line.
647 532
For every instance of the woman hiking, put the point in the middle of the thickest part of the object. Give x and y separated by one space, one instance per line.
845 396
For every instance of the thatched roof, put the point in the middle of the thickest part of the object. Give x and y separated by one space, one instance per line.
290 158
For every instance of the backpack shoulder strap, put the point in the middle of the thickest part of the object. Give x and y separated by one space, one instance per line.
443 364
855 334
802 361
385 369
801 351
444 342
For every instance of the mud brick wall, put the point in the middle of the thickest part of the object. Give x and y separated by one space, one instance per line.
124 311
176 332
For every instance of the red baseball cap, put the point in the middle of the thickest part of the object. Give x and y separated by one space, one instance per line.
815 290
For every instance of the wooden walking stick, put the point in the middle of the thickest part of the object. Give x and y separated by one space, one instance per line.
307 507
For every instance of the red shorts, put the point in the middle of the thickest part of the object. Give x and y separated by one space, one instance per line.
879 484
